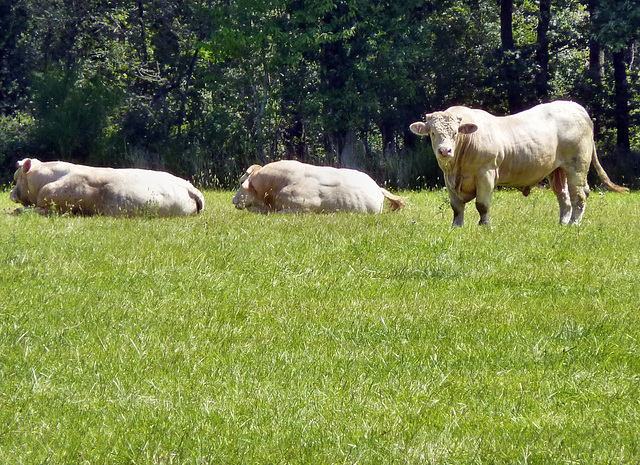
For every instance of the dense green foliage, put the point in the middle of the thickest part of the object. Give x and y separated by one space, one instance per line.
234 338
204 88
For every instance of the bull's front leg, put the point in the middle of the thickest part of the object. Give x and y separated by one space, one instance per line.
458 209
484 192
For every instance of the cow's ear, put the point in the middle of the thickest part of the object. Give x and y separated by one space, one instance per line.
246 184
467 128
25 165
253 169
420 128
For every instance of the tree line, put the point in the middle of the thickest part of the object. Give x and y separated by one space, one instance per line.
206 88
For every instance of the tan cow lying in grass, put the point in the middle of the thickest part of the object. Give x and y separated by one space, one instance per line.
478 151
291 186
86 190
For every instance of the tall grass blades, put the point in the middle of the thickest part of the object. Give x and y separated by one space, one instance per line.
233 338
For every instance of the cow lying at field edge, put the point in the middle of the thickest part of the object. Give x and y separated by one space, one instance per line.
115 192
478 151
291 186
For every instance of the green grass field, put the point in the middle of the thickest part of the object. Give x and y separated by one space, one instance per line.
235 338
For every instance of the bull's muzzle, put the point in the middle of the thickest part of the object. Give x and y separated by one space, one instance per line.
445 152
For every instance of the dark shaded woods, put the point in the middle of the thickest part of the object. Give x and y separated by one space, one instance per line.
205 88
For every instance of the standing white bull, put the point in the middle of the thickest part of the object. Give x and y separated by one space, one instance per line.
291 186
115 192
478 151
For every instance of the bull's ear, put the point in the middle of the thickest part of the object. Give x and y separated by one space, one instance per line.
420 128
25 165
467 128
246 184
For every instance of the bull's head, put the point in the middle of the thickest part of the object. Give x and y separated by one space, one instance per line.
443 127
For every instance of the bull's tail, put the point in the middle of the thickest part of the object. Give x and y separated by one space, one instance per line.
603 175
395 202
197 196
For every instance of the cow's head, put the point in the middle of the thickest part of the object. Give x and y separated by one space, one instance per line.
21 192
443 127
247 197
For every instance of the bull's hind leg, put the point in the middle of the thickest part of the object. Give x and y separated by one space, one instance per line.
558 181
577 172
578 192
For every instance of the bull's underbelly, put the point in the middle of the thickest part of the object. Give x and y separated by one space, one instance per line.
523 178
526 168
464 184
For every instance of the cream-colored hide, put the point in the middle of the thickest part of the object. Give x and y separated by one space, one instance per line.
291 186
115 192
478 151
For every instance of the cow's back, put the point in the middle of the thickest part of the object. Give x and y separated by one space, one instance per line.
347 189
300 186
526 146
115 192
124 191
572 123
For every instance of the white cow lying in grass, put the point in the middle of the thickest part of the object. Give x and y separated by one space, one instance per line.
86 190
291 186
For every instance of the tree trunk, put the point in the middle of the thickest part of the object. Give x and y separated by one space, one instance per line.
143 33
294 135
542 55
185 93
509 65
259 116
596 75
622 116
506 24
388 133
